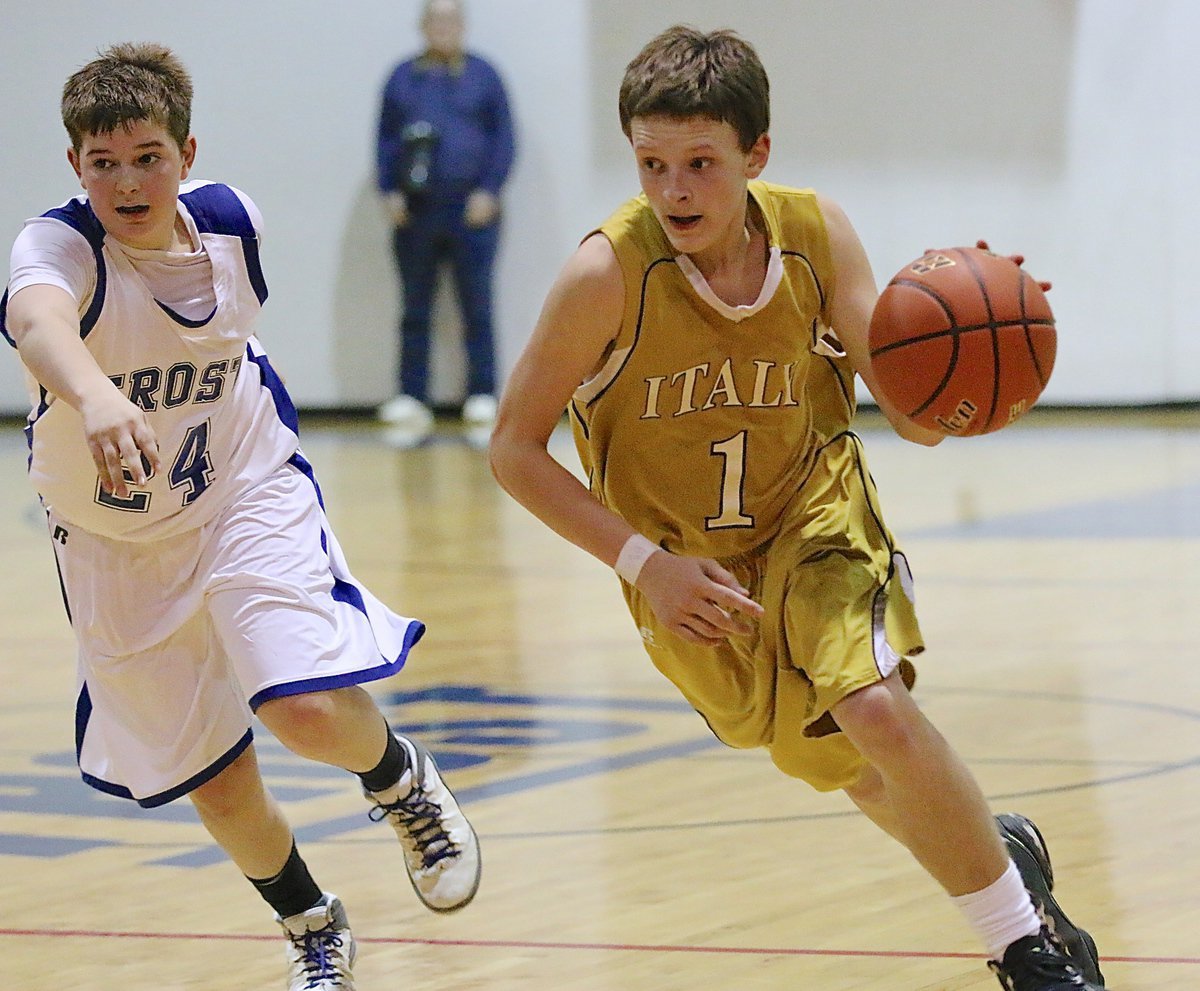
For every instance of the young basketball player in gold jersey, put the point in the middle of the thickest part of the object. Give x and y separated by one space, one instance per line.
716 323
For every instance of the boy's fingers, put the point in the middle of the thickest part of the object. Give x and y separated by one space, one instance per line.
131 458
736 600
148 446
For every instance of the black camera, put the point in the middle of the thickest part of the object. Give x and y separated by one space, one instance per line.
419 139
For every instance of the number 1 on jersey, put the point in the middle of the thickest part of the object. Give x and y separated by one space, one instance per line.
733 474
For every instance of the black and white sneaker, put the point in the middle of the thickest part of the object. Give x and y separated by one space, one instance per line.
441 850
320 949
1028 851
1040 963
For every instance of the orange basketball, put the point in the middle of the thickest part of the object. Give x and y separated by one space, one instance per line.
962 341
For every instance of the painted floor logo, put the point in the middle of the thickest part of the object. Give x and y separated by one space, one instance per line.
464 726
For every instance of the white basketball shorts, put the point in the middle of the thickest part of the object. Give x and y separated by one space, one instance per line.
181 639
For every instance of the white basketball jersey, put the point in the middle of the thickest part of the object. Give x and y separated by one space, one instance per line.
221 415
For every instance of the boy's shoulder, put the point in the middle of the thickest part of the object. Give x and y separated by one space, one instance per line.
780 193
218 208
635 234
77 214
791 212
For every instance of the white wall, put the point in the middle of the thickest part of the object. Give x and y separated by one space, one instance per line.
1064 130
286 101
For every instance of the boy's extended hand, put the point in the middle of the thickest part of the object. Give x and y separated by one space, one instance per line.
696 598
119 436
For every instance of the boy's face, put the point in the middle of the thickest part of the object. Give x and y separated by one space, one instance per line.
694 174
132 179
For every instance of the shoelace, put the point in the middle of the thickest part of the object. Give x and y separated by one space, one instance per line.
1042 965
422 821
319 964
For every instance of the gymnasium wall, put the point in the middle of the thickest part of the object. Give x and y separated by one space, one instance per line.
1063 129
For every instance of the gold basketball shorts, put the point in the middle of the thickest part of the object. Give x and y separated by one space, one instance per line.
839 616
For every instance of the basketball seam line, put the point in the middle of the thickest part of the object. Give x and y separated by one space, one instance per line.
953 331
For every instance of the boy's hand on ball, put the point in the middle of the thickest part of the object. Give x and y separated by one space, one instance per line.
1017 260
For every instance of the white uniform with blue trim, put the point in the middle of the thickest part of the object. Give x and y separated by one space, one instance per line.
219 584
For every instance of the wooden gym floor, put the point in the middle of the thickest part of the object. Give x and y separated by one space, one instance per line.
1058 577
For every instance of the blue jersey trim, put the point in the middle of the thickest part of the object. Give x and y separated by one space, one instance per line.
36 415
182 320
83 712
274 384
3 320
192 783
62 585
416 630
254 268
343 591
79 216
216 209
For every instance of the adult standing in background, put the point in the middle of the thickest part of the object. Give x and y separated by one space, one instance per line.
445 147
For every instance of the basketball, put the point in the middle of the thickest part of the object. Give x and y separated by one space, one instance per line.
962 341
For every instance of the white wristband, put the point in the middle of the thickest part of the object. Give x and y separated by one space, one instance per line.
633 555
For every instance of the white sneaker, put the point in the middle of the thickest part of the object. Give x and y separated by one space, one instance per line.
404 437
405 410
321 948
479 409
441 850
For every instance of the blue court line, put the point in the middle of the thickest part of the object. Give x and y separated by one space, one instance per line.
25 845
1161 514
313 832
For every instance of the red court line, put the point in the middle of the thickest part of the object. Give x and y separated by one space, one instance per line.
521 944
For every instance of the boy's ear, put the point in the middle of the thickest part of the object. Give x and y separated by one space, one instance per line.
188 153
73 158
758 155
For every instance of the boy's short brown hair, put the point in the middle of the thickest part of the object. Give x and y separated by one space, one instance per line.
126 84
684 72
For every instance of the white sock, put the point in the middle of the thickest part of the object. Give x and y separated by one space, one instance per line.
1001 913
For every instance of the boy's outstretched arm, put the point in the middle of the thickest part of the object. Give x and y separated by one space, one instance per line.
854 298
44 323
581 316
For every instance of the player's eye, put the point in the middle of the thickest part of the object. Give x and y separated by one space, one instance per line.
701 163
149 158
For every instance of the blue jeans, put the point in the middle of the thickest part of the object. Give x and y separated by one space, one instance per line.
435 233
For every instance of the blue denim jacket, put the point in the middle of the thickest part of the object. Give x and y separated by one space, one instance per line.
466 103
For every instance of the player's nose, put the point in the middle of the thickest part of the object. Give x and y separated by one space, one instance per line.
676 189
127 179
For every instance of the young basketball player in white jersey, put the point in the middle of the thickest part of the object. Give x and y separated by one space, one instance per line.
716 323
199 570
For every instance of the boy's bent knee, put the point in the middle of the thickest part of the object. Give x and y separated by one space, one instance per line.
881 719
302 723
226 794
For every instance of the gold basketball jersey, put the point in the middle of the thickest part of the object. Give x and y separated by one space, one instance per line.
705 419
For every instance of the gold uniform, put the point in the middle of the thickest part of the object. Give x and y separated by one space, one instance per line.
723 431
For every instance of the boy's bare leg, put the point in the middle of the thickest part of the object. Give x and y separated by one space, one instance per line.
240 814
870 795
345 728
921 792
